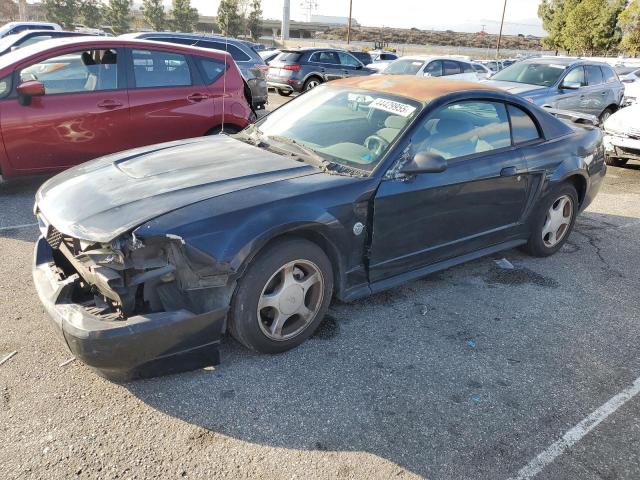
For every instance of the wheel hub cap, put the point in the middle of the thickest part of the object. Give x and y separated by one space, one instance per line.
290 300
557 222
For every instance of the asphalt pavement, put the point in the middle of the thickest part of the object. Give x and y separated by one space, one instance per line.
470 373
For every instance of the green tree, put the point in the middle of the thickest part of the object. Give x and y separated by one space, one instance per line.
630 26
118 15
592 26
153 13
553 14
90 13
229 19
185 17
62 12
254 21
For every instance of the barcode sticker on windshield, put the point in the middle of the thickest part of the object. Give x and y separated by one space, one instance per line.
390 106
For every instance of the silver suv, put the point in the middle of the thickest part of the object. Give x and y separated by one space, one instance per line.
251 65
565 84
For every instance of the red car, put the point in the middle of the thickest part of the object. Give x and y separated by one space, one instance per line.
66 101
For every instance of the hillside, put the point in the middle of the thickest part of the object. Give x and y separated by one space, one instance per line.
431 37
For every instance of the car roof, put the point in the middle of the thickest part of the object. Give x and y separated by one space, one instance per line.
94 41
410 86
566 61
195 36
434 57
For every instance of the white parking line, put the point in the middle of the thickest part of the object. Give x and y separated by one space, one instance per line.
15 227
574 435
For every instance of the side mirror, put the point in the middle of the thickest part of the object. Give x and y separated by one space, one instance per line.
425 162
571 85
359 67
27 90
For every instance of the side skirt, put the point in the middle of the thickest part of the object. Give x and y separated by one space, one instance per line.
391 282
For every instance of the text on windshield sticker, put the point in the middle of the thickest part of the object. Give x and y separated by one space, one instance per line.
390 106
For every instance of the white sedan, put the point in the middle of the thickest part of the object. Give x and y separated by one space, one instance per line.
622 136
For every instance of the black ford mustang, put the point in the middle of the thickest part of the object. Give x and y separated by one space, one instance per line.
150 255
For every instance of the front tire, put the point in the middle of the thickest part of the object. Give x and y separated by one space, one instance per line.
282 297
553 221
605 115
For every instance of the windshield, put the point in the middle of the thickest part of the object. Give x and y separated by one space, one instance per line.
347 126
404 66
542 74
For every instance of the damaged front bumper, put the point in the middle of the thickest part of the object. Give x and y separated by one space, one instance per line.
622 146
139 346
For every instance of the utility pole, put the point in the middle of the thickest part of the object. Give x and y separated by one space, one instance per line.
286 14
349 25
504 8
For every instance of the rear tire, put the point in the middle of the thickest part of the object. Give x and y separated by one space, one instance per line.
312 82
282 296
615 162
553 221
284 93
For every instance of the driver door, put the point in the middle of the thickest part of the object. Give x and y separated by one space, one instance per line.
477 202
83 114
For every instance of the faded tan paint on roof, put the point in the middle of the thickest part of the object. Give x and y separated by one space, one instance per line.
410 86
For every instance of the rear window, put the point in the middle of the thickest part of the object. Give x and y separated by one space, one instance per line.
404 66
364 57
289 57
608 74
466 67
594 75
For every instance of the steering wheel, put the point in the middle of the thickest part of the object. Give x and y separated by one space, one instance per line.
376 144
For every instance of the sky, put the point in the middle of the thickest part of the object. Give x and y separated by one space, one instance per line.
460 15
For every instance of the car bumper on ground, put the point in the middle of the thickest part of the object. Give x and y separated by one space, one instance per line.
139 346
621 146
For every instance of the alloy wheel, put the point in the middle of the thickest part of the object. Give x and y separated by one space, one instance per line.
557 222
290 300
312 84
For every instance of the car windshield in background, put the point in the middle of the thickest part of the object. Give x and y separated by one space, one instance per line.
542 74
404 67
347 126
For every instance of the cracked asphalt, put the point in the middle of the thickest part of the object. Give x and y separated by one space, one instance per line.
465 374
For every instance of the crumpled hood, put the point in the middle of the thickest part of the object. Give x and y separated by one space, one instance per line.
626 120
515 87
106 197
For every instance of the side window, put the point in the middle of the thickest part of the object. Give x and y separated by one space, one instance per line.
387 56
451 67
466 68
464 128
237 54
212 69
152 68
608 74
575 76
478 68
346 59
523 128
434 69
594 75
328 57
5 86
83 71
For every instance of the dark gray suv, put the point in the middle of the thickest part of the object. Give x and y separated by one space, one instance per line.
302 69
565 84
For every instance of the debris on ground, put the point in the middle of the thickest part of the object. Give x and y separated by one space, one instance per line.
504 263
67 362
7 357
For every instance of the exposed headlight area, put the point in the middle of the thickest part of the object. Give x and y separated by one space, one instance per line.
129 277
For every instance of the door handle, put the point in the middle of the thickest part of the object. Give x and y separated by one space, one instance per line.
109 104
508 172
197 97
